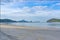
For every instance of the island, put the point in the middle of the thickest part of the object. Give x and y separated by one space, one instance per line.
6 20
25 21
53 20
21 21
9 20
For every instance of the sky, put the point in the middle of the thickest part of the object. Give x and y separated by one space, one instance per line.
35 10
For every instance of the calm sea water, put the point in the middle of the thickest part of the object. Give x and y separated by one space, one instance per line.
57 24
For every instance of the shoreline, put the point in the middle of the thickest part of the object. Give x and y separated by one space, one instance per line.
26 27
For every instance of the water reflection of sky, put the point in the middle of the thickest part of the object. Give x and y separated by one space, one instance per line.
37 24
54 24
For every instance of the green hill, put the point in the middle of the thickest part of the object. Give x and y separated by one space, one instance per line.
54 20
6 20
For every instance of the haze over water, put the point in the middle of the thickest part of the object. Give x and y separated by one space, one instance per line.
56 24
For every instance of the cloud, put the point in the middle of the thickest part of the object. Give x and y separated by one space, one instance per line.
14 11
26 11
58 4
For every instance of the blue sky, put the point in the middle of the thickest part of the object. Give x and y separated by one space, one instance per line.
35 10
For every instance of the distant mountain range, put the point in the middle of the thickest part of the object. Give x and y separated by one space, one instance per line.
6 20
24 21
9 20
53 20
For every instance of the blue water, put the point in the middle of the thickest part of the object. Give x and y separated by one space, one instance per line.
56 24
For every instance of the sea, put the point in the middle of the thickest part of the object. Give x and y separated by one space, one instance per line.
42 24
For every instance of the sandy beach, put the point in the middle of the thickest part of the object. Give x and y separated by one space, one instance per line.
12 32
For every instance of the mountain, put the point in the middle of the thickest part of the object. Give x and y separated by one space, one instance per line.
6 20
53 20
24 21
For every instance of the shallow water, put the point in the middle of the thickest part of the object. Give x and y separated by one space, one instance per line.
56 24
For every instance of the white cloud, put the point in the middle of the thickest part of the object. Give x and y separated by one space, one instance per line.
58 4
26 12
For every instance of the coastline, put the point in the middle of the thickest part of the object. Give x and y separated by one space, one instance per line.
26 27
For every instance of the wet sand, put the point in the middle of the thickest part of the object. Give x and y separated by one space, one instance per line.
11 32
